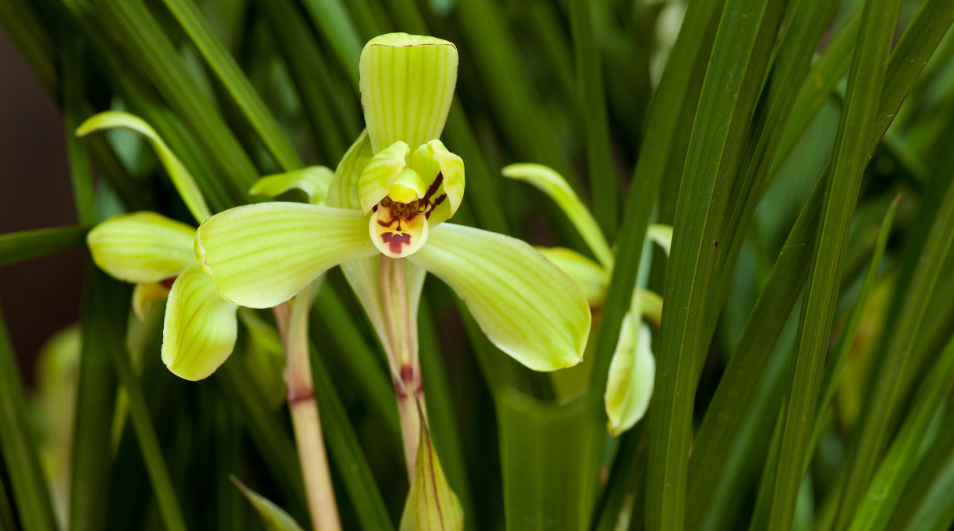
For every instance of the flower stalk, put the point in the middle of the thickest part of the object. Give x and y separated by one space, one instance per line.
292 320
402 349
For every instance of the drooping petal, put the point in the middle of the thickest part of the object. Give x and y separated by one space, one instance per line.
262 255
662 235
142 247
145 294
525 305
431 504
380 173
433 159
313 180
200 327
343 192
180 176
587 274
631 377
554 185
273 517
407 85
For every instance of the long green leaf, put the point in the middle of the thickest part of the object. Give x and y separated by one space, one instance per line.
19 246
511 97
103 325
81 172
589 79
928 502
888 484
692 47
851 154
27 483
900 342
269 435
845 341
739 60
806 26
346 452
310 73
156 56
726 410
547 455
234 80
111 311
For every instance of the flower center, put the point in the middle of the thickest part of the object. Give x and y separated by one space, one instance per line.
399 222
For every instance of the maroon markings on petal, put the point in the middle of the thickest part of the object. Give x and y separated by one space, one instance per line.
396 241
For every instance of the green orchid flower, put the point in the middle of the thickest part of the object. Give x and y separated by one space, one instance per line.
157 255
385 224
633 367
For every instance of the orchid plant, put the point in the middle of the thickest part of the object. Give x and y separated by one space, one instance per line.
633 368
385 202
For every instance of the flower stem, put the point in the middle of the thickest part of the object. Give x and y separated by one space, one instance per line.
402 348
292 319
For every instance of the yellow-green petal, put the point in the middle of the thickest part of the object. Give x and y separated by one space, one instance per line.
662 235
142 247
554 185
144 294
432 159
588 275
380 173
180 176
262 255
313 180
343 192
431 504
631 377
523 303
200 327
407 85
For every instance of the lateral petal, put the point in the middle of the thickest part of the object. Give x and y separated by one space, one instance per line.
142 247
200 327
262 255
525 305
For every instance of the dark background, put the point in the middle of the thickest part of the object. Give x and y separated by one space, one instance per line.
38 297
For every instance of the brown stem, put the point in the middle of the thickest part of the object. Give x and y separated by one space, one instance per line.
300 388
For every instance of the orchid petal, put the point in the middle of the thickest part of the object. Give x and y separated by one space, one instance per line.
554 185
588 275
313 180
525 305
662 235
181 178
432 159
631 377
431 504
145 294
142 247
407 85
262 255
200 327
380 173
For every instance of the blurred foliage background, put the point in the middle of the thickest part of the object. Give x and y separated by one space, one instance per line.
655 110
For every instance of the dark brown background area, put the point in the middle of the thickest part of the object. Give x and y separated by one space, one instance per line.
40 296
